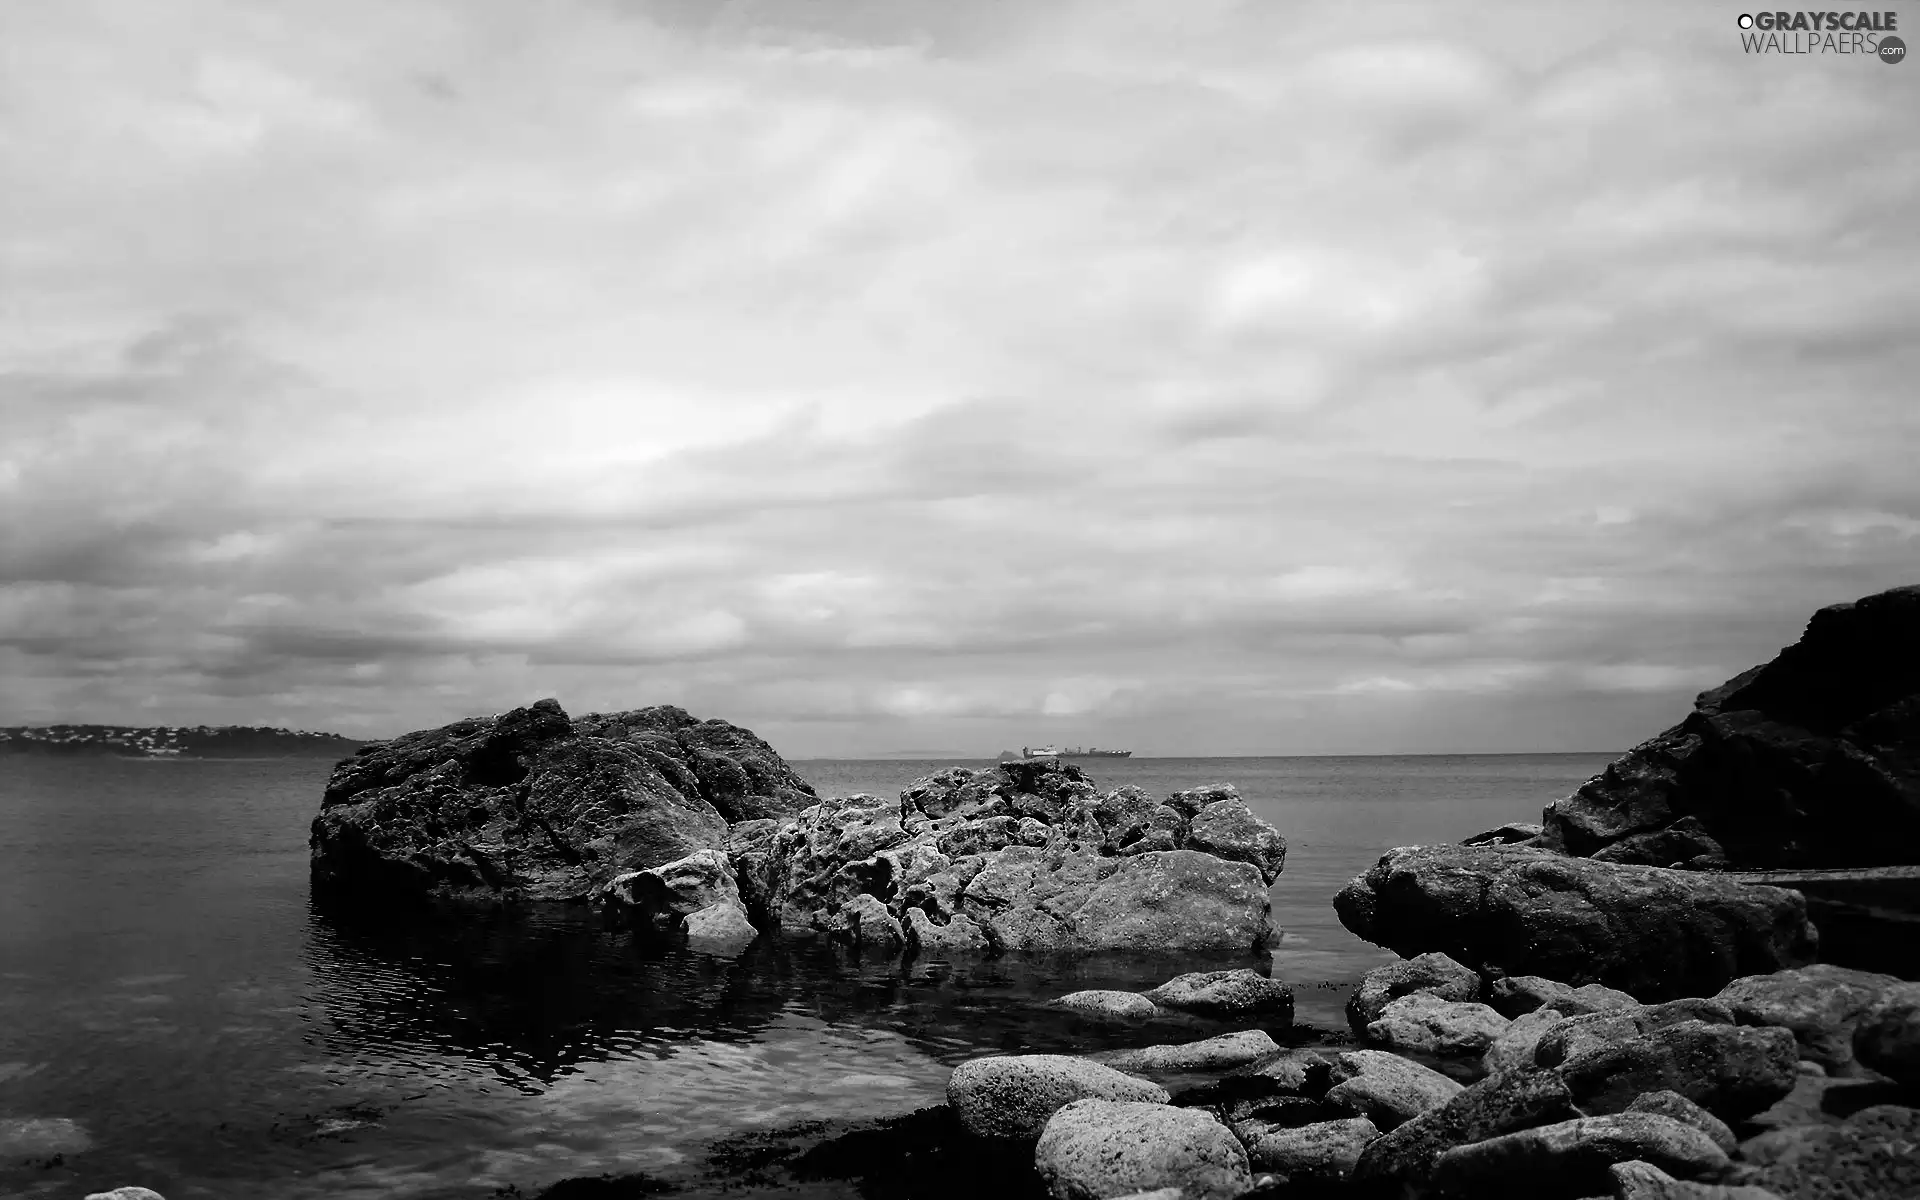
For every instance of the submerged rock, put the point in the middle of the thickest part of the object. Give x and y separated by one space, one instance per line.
1012 1096
1653 933
535 805
1097 1149
1812 760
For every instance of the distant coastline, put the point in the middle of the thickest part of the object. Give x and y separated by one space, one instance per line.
173 741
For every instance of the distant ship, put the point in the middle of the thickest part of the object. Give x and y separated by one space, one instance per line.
1072 752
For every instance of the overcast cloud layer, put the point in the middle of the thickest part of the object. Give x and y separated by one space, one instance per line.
1200 377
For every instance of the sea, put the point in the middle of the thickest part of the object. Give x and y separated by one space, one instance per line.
175 1013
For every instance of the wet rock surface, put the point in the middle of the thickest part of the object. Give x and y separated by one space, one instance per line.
1096 1149
1012 1097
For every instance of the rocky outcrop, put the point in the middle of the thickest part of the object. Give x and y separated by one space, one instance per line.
1650 932
535 805
1812 760
1013 1096
1027 857
1097 1149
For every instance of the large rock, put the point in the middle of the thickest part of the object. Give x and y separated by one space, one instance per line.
1431 973
1237 993
1518 994
1888 1036
1106 1004
1573 1158
1654 933
1499 1104
1810 760
1822 1004
670 893
1424 1023
1322 1152
1099 1149
1227 828
1872 1155
534 805
1029 855
1012 1096
1732 1071
1387 1089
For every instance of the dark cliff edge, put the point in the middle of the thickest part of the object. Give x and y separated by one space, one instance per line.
172 741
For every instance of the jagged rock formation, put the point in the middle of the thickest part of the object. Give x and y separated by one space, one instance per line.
1027 856
1811 760
534 805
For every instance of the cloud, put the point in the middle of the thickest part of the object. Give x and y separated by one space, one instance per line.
1207 378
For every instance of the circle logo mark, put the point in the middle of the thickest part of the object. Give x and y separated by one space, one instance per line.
1892 50
1746 20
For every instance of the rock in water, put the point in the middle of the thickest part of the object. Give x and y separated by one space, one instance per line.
1013 1096
1097 1149
1654 933
1812 760
1432 973
535 805
1237 993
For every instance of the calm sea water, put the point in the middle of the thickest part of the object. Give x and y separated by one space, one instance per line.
174 1013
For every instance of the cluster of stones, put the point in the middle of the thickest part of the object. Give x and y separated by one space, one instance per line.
1544 1089
1024 857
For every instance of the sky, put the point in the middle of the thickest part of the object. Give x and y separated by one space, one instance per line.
916 377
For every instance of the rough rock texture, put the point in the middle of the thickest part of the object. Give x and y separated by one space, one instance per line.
127 1193
1322 1152
1654 933
1387 1089
1888 1036
1518 1043
1873 1155
1028 852
1210 1054
1643 1181
1425 1023
1685 1111
670 893
1014 1095
1572 1158
1511 834
960 936
1120 1006
535 805
1822 1005
1431 973
1810 760
1577 1035
723 923
1096 1149
1517 994
1499 1104
1237 993
1732 1071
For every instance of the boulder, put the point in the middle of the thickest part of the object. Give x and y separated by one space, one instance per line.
1685 1111
670 893
1572 1158
1588 1031
723 923
1424 1023
1012 1096
1499 1104
1237 993
1519 1042
127 1193
1385 1088
1033 857
1888 1036
535 805
1516 994
1227 828
1211 1054
1872 1155
1732 1071
1812 760
1435 974
1643 1181
1095 1149
1651 932
1119 1006
1322 1152
1822 1004
1685 844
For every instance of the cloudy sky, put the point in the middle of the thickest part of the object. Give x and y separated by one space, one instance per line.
912 375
